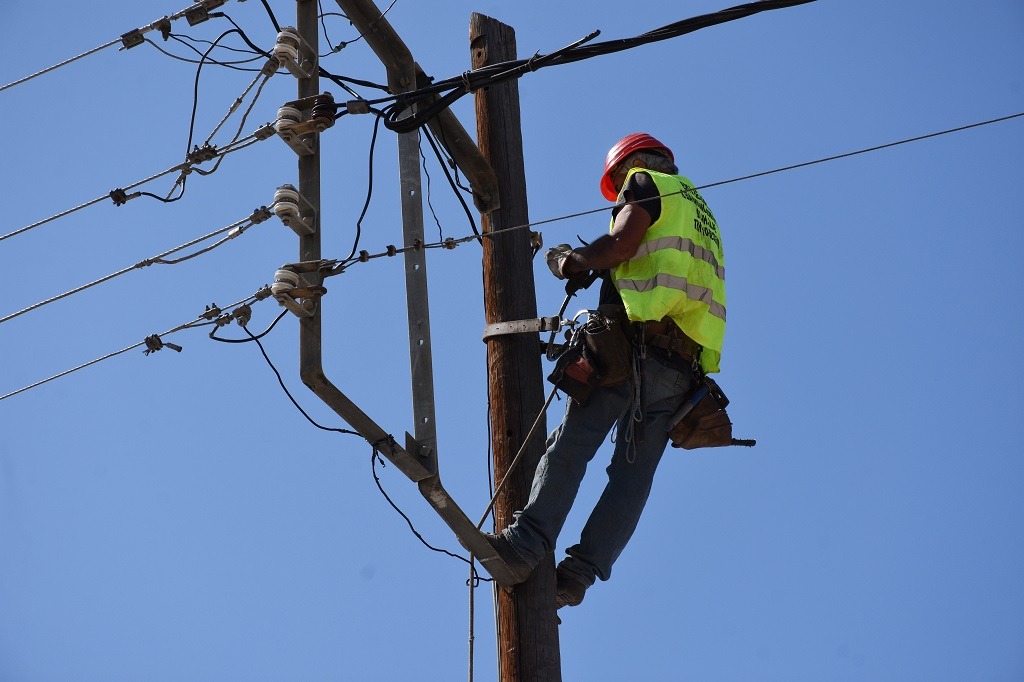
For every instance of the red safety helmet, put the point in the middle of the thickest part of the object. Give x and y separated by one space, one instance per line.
618 153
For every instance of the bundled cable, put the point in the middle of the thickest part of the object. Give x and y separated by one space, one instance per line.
470 81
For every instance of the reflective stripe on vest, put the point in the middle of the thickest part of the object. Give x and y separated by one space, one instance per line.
693 291
681 244
678 270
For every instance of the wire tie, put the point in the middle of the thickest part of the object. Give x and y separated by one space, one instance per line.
211 311
388 440
201 154
120 197
392 250
261 214
155 343
164 26
529 62
465 82
243 314
145 263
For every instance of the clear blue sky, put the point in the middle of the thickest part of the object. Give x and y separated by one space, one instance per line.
173 517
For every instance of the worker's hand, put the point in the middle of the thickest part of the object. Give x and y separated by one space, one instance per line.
556 259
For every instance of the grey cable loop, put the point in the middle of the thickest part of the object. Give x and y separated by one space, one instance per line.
158 259
238 102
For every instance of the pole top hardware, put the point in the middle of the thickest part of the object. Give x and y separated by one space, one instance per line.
295 54
295 211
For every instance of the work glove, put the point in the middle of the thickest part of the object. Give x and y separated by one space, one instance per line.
555 257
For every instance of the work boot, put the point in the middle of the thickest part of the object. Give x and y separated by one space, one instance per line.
517 566
570 590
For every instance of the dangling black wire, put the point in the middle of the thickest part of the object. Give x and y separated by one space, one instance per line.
213 332
455 188
289 394
369 190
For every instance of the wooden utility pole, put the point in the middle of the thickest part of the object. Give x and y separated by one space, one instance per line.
527 628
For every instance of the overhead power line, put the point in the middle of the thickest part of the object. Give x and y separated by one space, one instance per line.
336 267
233 230
195 14
211 316
121 195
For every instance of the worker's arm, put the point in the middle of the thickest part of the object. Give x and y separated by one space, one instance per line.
609 250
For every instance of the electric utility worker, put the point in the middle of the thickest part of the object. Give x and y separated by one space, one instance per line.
663 263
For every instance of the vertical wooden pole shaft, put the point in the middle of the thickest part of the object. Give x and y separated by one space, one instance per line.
527 629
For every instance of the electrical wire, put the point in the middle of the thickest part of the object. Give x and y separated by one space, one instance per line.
213 332
120 196
200 321
453 182
323 25
227 64
433 102
288 393
374 23
335 267
238 228
245 117
369 191
374 458
87 204
63 63
120 39
430 203
270 13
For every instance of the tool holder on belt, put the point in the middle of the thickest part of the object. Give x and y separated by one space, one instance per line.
701 421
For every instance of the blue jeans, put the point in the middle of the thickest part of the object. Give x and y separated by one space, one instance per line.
574 443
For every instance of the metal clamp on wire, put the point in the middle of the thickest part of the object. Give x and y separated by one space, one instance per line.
294 53
200 12
294 211
301 300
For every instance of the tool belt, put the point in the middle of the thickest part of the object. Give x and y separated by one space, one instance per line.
599 354
667 336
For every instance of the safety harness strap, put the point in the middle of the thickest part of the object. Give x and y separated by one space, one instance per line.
538 324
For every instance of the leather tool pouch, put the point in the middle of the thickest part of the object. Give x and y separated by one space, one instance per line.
574 375
704 423
608 347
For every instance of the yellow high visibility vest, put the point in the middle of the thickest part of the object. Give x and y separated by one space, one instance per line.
679 269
